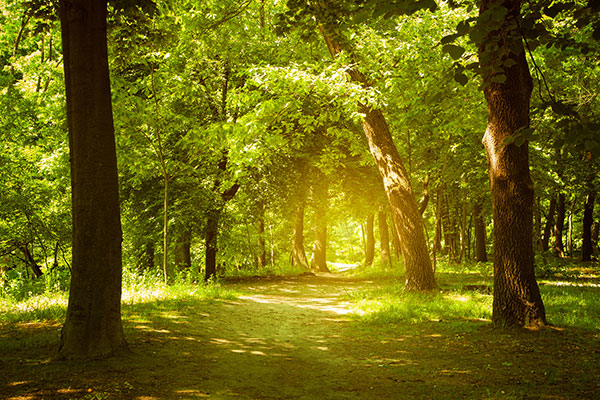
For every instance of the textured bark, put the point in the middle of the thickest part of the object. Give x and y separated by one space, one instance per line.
93 325
320 198
595 235
559 226
538 225
370 241
549 224
587 248
384 237
480 235
396 242
517 300
298 252
396 182
183 252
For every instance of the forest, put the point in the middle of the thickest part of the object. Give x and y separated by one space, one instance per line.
294 199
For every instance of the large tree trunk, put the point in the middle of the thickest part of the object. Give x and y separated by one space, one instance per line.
587 248
384 237
93 325
320 194
396 182
480 235
549 224
370 242
517 299
559 226
298 252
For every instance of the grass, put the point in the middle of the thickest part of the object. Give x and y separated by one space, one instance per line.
466 296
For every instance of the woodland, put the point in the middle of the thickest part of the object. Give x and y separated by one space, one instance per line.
420 169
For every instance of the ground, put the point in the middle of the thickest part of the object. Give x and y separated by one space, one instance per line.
294 338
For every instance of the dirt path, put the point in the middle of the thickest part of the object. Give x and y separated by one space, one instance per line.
292 339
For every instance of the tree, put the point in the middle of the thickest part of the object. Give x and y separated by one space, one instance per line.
507 89
405 210
93 324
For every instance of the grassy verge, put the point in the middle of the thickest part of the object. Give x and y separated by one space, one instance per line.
466 297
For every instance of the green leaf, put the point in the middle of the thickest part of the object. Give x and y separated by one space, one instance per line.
449 38
455 51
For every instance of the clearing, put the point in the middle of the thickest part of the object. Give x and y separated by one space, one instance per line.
295 338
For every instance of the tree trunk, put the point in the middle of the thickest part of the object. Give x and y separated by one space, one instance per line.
559 249
405 211
463 229
320 194
384 237
212 231
395 242
538 225
183 252
261 258
587 249
549 224
298 252
595 235
370 242
517 299
480 235
93 325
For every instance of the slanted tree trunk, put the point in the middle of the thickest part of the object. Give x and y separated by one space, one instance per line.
183 251
298 252
320 194
261 258
480 235
559 226
370 241
549 224
93 325
384 237
517 300
587 249
396 182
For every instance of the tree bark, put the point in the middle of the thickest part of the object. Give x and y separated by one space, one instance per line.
587 249
538 225
210 254
93 325
370 242
480 235
395 242
298 252
396 182
517 300
559 226
549 224
384 237
463 229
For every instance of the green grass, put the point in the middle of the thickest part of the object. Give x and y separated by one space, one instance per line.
466 295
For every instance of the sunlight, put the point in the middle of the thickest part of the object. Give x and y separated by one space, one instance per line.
571 284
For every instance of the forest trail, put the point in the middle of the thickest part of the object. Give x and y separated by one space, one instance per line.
293 338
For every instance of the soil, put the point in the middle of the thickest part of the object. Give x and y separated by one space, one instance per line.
294 338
